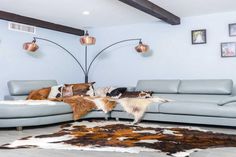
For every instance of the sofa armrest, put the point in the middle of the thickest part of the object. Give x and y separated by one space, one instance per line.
227 101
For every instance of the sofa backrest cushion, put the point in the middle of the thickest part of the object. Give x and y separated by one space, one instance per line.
24 87
221 87
158 86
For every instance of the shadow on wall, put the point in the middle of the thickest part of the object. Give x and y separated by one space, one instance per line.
37 54
148 54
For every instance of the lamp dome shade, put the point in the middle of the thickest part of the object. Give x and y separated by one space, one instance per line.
87 40
30 46
142 48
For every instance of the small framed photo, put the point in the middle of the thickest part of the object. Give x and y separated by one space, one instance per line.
228 49
232 29
199 36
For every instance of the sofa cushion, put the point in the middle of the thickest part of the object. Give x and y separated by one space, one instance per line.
199 109
158 86
24 87
227 101
194 97
26 111
10 97
223 87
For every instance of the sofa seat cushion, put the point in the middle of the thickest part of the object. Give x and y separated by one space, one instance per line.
227 101
153 107
199 109
25 111
194 97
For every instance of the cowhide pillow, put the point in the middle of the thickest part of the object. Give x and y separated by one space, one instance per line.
82 88
103 91
40 94
67 91
117 92
56 92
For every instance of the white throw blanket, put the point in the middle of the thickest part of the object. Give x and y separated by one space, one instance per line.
134 106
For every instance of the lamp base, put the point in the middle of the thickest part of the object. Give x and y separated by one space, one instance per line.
86 79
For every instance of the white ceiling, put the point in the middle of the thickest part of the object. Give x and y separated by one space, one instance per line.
108 12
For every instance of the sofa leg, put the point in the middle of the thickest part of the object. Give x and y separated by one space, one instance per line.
19 128
106 118
117 119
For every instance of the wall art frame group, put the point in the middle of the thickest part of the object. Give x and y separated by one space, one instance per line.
228 49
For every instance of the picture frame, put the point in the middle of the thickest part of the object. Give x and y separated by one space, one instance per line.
232 29
228 49
199 36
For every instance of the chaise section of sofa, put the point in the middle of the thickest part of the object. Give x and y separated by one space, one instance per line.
193 101
20 115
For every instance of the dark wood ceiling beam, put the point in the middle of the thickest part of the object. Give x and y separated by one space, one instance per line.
39 23
154 10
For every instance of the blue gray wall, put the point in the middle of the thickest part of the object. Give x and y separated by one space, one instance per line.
173 56
50 62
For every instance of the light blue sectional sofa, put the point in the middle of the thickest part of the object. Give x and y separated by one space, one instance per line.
33 115
193 101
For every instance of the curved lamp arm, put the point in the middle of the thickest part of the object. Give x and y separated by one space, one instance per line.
99 53
63 49
28 46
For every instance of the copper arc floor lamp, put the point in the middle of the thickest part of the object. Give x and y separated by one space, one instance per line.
86 40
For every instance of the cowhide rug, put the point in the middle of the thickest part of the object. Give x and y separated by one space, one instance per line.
124 137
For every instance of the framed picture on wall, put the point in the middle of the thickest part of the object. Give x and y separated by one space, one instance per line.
228 49
199 36
232 29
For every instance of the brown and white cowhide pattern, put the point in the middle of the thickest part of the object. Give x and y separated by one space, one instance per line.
56 92
124 137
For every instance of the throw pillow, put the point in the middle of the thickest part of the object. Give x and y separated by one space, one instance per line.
67 91
117 92
40 94
102 92
82 88
56 92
